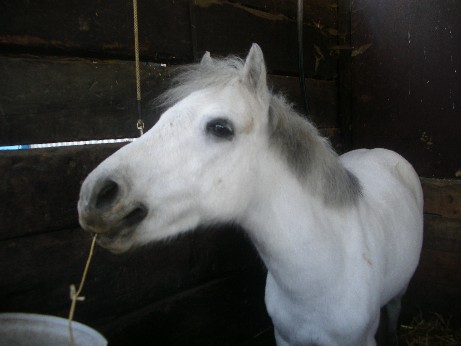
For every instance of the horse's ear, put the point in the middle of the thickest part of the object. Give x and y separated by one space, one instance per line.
255 70
206 59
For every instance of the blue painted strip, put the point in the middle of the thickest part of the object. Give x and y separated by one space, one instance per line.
65 144
14 147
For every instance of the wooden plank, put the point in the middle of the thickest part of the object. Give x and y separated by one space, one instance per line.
52 100
104 29
97 29
39 188
223 27
436 285
428 297
345 72
440 267
406 88
442 197
319 13
224 312
442 234
36 272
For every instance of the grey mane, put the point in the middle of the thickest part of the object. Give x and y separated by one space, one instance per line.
307 153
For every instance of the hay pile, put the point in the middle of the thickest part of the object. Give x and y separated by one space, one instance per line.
434 330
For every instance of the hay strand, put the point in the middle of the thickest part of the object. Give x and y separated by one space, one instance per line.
75 294
433 331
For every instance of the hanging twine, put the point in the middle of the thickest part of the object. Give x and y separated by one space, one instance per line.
140 122
75 294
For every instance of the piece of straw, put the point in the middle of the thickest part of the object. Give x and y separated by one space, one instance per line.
75 294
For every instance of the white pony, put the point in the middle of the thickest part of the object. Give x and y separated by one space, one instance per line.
340 235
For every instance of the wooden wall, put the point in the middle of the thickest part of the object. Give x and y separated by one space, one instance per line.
62 91
407 81
66 74
436 286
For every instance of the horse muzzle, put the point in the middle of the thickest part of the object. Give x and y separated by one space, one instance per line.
105 208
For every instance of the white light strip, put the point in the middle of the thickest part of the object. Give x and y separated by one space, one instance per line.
66 144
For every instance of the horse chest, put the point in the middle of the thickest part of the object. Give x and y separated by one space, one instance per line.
292 320
320 319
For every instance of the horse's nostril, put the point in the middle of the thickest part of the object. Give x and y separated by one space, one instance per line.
135 216
107 194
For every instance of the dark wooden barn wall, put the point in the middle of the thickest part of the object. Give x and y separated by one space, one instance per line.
82 99
436 286
407 81
173 31
98 94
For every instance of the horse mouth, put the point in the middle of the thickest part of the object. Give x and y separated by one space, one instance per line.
118 240
115 244
117 236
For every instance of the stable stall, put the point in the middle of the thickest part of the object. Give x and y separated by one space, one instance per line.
377 74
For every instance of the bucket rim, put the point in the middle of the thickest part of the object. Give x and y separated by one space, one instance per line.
58 321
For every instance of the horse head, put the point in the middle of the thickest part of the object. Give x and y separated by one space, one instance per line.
197 165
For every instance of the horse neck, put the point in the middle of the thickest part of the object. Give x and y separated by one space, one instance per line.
293 231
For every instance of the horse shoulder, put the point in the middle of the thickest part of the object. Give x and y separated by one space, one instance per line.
391 212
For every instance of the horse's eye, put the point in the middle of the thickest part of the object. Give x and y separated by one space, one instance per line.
220 128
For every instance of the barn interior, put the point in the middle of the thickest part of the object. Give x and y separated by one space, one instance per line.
378 74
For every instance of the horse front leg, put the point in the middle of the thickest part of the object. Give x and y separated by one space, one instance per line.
393 313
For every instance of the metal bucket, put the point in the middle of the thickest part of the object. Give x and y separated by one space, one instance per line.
21 329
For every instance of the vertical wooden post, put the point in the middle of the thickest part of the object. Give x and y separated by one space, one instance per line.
345 73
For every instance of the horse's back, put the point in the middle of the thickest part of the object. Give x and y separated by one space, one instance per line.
392 211
382 162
